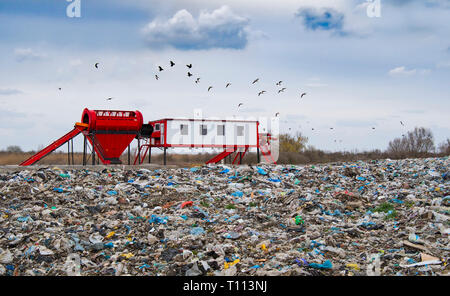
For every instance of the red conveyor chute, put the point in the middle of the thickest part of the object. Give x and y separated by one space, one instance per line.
79 127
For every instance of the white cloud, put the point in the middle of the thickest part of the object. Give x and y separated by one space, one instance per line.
402 71
23 54
220 28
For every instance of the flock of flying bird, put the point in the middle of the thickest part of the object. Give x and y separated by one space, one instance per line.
189 74
197 80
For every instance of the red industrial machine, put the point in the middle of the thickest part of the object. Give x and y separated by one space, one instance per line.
109 132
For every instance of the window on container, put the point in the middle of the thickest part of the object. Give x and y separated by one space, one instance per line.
221 130
157 127
184 129
239 130
203 130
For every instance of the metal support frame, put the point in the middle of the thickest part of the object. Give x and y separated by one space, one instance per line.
84 150
68 152
149 154
70 159
139 151
129 159
93 149
235 157
165 155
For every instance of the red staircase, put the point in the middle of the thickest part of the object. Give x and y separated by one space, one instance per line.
240 155
79 127
146 146
222 155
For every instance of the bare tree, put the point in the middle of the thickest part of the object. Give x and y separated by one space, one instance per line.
420 141
415 143
397 146
444 147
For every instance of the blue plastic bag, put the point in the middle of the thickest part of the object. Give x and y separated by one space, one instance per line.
274 180
197 231
158 220
237 194
326 265
261 171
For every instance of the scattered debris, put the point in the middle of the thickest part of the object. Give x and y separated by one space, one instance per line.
387 217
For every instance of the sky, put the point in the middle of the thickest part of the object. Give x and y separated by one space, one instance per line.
361 65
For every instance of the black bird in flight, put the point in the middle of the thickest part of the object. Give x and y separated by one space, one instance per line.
312 129
197 80
240 104
160 68
189 66
331 128
209 88
373 128
279 82
303 94
402 123
172 64
261 92
189 74
109 99
276 114
228 84
157 77
281 90
256 80
96 65
59 88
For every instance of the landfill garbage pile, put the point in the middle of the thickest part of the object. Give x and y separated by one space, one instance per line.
383 217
